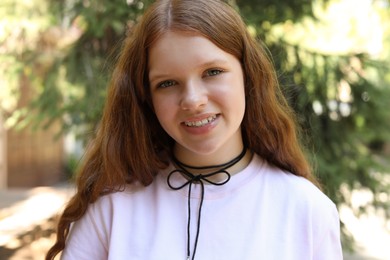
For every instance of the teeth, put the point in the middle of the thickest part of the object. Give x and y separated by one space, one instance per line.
200 122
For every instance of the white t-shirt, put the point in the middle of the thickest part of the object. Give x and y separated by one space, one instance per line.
261 213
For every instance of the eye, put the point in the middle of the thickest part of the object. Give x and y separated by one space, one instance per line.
213 72
166 84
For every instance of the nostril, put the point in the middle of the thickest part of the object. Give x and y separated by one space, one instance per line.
193 102
194 95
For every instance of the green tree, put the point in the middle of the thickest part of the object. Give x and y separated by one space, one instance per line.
341 101
74 89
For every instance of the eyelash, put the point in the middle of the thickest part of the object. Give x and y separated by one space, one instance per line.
166 84
211 72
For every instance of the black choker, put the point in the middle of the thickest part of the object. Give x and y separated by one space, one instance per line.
200 178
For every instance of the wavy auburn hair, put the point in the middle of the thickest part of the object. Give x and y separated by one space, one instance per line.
131 146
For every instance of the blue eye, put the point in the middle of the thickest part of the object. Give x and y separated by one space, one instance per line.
166 84
213 72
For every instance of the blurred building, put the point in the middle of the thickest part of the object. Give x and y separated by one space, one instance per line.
3 156
30 158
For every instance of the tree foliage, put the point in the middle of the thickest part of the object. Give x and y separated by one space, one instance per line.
341 100
74 89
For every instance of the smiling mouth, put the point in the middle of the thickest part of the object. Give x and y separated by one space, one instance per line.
200 123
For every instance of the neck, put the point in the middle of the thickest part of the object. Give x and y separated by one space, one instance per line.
232 165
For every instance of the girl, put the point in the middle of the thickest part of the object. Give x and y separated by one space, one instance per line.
197 155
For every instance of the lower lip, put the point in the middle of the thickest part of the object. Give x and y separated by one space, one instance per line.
201 130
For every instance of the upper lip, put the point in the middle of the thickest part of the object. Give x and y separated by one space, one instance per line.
199 117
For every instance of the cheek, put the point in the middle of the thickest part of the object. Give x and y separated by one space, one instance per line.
162 109
238 99
156 101
233 95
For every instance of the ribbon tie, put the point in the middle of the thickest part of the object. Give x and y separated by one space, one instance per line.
199 178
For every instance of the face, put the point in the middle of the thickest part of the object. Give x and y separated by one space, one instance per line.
198 96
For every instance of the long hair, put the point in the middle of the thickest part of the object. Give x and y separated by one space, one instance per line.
131 146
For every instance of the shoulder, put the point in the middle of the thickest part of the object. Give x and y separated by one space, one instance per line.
294 203
131 196
126 194
287 188
299 197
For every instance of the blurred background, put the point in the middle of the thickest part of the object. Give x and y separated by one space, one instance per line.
332 59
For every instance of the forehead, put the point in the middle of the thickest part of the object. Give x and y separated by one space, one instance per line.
183 49
179 39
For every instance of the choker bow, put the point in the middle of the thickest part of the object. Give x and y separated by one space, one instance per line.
201 179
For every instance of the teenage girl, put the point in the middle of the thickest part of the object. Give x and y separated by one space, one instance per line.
197 155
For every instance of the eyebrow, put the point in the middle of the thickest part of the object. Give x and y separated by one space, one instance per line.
215 62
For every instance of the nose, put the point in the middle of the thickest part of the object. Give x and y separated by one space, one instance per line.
194 96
